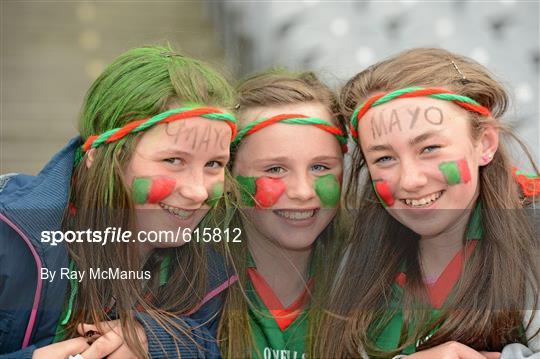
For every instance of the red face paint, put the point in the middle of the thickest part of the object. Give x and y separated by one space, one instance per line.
152 189
464 170
382 189
268 191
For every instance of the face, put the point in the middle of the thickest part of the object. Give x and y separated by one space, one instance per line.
177 172
295 172
423 161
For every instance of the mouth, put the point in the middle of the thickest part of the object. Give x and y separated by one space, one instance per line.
422 202
177 211
296 214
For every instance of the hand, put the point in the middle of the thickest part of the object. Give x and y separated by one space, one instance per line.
453 350
102 347
113 326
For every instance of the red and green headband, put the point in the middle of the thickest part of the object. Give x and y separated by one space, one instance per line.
176 114
295 119
529 182
432 92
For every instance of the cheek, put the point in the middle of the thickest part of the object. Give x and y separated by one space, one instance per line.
260 192
151 189
383 192
328 190
215 193
455 172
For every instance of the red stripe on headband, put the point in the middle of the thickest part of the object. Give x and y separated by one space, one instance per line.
475 108
368 104
333 130
125 130
424 92
89 141
354 133
362 111
191 113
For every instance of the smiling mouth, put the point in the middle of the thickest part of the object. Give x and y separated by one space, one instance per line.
423 201
296 214
177 211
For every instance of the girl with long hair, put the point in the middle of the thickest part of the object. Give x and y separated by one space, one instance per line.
443 257
288 163
151 156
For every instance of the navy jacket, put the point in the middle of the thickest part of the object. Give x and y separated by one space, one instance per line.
30 308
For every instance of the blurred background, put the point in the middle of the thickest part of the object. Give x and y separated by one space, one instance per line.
51 51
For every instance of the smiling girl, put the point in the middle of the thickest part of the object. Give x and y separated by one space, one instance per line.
444 257
153 146
288 162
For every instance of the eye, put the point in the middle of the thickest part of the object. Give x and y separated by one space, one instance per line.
383 159
215 164
275 170
319 168
430 149
174 160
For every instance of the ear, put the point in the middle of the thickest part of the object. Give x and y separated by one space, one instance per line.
487 145
89 158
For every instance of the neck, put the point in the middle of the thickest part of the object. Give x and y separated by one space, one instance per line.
285 270
437 251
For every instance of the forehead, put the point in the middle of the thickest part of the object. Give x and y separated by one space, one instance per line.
410 117
191 135
311 109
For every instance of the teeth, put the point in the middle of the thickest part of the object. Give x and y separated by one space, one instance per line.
296 215
179 212
423 201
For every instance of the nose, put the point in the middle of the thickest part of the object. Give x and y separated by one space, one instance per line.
412 177
300 187
192 187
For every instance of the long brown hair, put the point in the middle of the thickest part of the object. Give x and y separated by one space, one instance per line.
271 88
486 309
140 83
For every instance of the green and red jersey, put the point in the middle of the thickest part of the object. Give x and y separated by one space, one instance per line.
438 292
277 331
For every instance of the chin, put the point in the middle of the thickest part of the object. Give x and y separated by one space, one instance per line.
294 242
431 224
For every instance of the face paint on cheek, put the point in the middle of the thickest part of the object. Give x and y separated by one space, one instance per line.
455 172
262 192
151 189
382 190
247 189
328 190
268 191
216 194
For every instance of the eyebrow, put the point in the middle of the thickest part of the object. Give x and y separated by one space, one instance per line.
323 158
425 136
273 159
173 152
379 148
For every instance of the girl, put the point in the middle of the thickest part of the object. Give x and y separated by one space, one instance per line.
288 162
151 157
443 255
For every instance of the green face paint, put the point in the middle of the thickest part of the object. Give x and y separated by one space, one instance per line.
328 189
247 189
455 172
140 189
217 193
